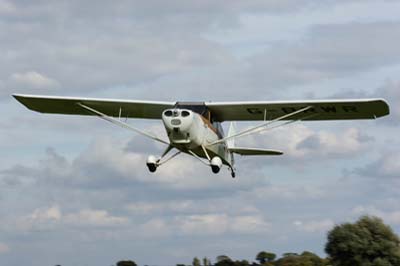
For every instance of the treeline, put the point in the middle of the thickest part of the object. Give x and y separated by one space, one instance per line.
265 258
367 242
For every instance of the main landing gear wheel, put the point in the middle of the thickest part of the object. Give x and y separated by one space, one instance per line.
152 167
152 163
216 164
233 174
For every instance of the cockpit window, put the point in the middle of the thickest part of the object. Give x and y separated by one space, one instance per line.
168 113
185 113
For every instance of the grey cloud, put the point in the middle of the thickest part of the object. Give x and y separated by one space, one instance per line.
91 59
329 51
315 142
312 142
386 166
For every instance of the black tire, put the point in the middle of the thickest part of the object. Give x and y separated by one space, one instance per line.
215 169
152 167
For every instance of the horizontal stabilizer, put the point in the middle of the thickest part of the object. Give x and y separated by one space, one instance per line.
253 151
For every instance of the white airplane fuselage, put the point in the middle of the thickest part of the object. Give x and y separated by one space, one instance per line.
190 131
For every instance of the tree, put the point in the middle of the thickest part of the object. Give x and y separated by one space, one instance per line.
126 263
206 261
368 242
196 262
305 259
264 256
223 260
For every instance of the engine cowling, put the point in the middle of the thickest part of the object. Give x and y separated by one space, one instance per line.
216 164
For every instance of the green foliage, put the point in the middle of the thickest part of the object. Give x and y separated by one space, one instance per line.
222 258
305 259
224 261
264 257
368 242
196 262
206 261
126 263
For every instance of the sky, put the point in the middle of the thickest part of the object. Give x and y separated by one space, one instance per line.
76 190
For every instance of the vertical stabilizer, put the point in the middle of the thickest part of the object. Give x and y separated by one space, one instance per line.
232 131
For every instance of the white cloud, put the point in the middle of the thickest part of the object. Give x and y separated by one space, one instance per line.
392 217
314 226
191 206
209 224
249 225
349 141
33 80
217 224
52 217
288 192
154 228
47 214
41 219
300 142
93 218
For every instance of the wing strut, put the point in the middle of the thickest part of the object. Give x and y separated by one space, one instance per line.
121 124
262 126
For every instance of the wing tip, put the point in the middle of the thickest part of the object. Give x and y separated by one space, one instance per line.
384 108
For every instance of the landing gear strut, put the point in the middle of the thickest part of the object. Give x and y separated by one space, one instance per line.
153 163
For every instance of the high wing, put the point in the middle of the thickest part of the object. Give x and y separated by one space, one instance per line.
109 107
318 110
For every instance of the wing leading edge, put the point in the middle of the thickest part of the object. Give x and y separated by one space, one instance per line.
320 110
114 108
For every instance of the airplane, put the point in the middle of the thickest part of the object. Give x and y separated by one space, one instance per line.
195 128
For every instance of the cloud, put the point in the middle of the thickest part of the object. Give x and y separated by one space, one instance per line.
386 166
314 226
327 52
301 142
216 224
41 219
392 217
4 248
288 192
28 82
190 207
7 7
94 218
52 218
34 80
349 142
